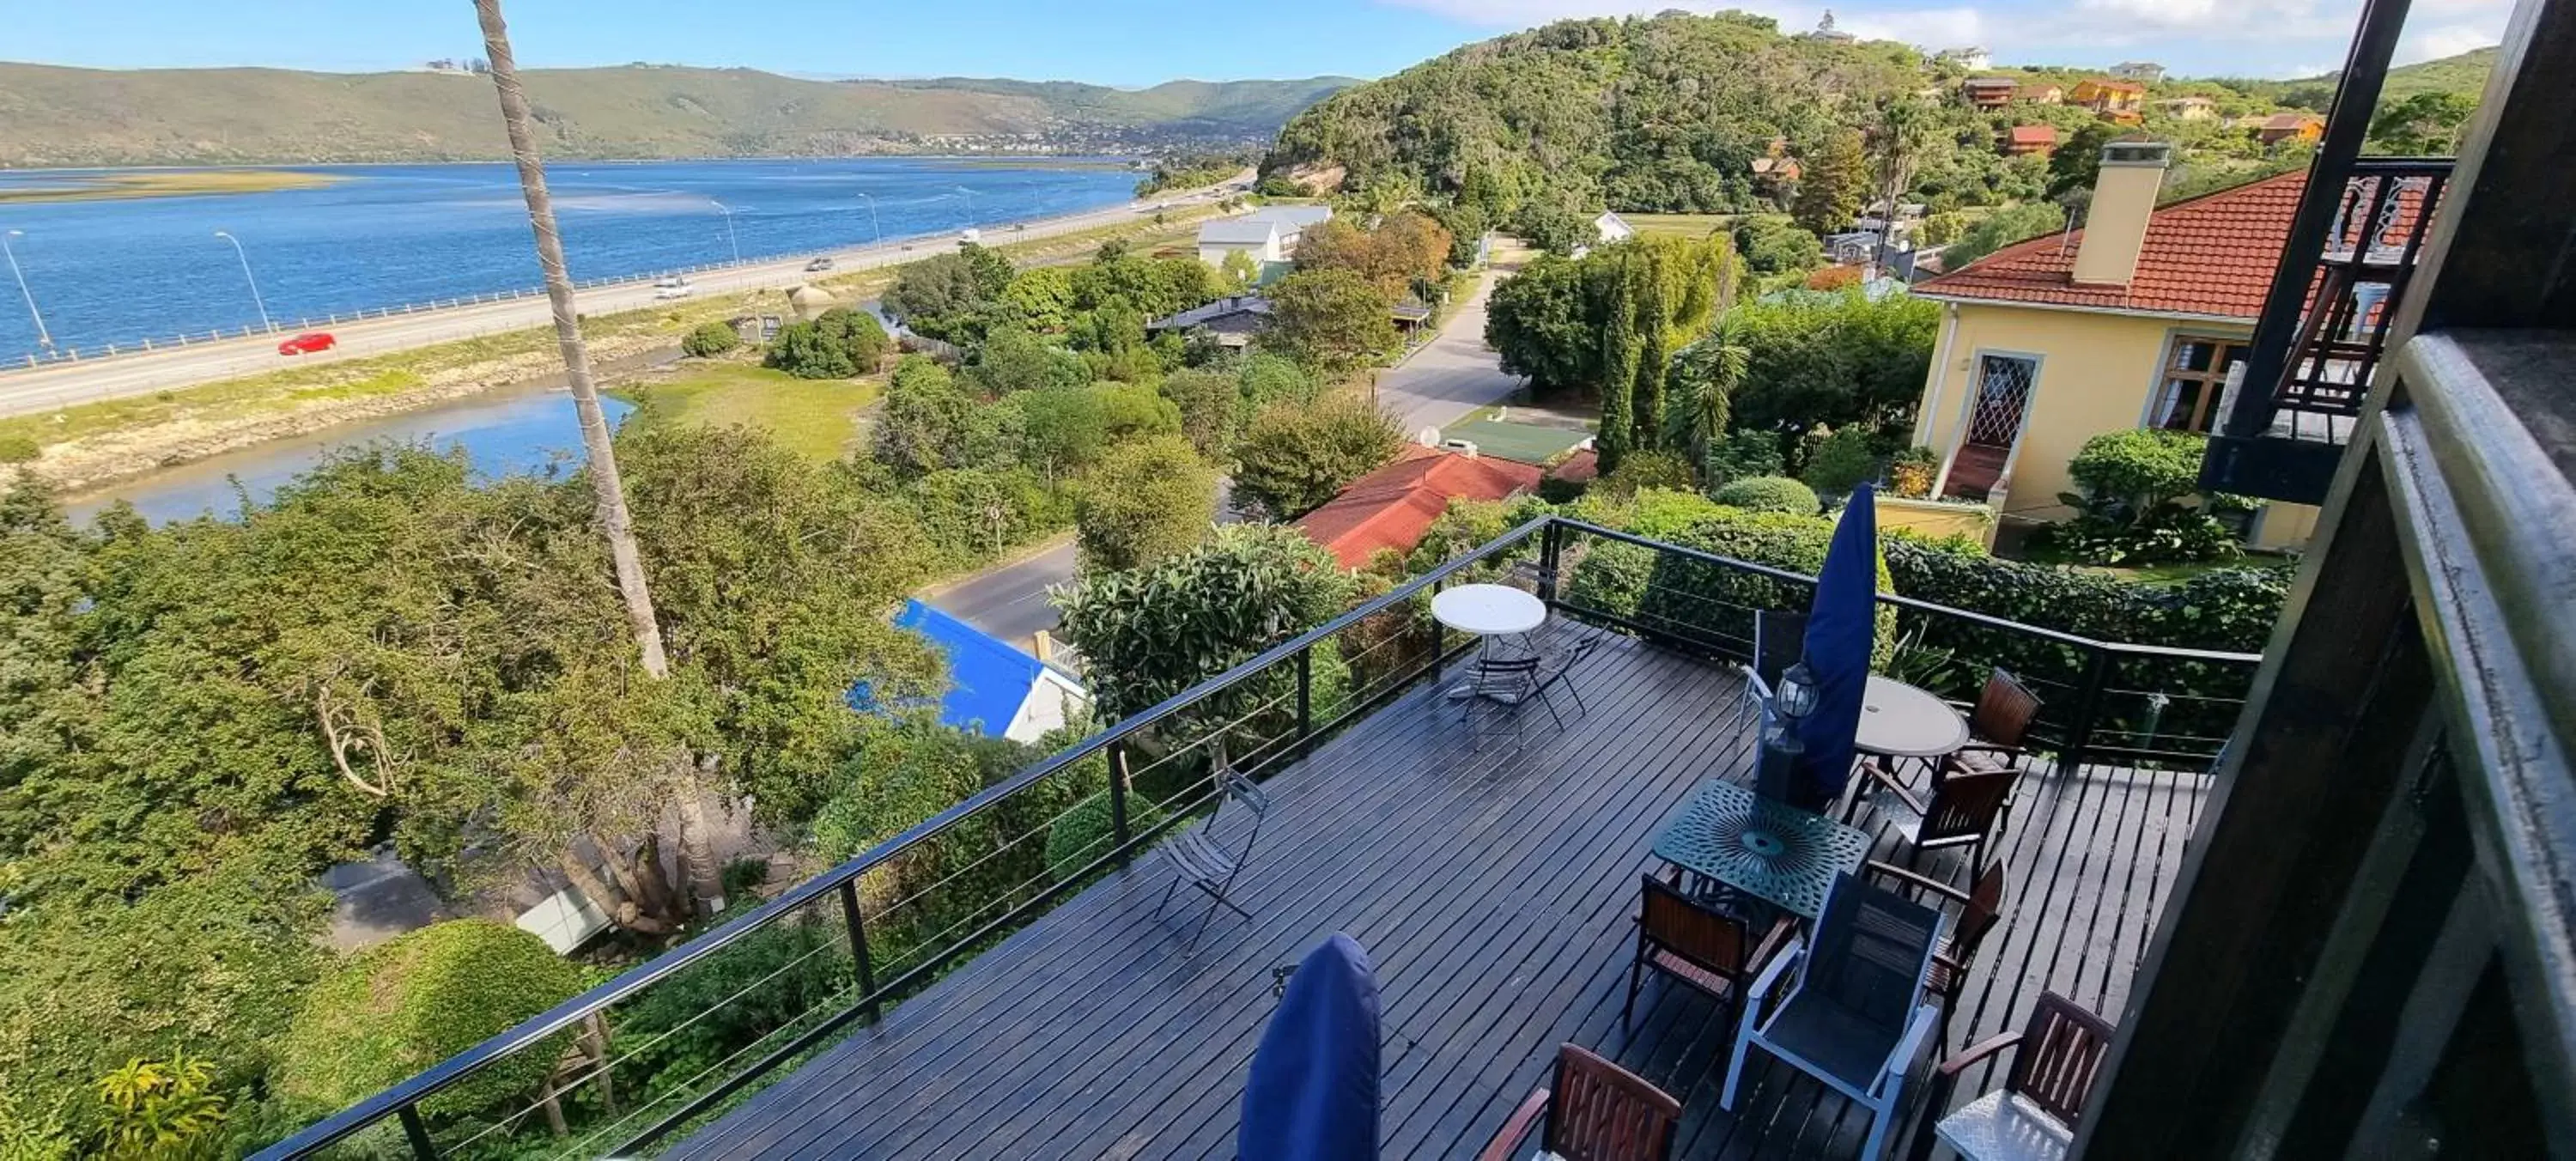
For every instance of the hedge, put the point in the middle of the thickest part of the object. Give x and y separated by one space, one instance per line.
1083 833
404 1005
1769 494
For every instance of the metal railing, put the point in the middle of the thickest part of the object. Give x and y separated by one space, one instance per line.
840 947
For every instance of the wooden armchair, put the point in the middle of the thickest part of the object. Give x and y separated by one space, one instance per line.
1596 1111
1979 908
1998 722
1963 807
2056 1058
1703 947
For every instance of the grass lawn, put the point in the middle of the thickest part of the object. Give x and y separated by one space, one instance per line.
1678 225
816 418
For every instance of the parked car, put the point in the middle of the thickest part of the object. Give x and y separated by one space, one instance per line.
818 265
668 281
308 343
673 288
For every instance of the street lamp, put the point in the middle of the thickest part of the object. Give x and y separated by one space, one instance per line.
872 217
730 236
44 338
244 255
970 204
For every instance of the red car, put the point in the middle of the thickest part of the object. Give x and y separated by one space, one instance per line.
310 342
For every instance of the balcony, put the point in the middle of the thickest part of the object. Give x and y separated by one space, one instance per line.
2289 419
988 1004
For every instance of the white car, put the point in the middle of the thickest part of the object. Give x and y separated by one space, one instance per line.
670 290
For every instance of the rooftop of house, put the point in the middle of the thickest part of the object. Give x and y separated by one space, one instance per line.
2034 135
2210 256
1393 506
1291 218
1227 307
988 679
2291 120
1244 231
1990 83
2113 85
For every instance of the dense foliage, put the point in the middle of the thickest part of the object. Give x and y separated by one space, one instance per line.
708 340
1835 360
1153 632
1330 318
1293 457
2003 228
1147 500
2131 507
404 1005
839 344
1768 494
1609 322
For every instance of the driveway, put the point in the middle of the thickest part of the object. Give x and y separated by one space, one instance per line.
1455 375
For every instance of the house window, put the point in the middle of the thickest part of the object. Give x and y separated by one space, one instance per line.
2195 372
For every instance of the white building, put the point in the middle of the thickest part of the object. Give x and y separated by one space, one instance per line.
1265 235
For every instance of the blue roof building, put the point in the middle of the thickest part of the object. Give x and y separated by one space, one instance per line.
994 689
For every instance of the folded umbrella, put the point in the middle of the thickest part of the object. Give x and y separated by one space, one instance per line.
1842 625
1312 1095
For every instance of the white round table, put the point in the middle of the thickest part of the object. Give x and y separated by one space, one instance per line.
1900 721
1488 610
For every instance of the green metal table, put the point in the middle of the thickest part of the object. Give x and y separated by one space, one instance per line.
1771 850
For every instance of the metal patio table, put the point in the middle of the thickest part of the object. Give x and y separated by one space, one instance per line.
1766 848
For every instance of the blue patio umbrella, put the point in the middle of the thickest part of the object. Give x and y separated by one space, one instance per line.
1841 627
1312 1095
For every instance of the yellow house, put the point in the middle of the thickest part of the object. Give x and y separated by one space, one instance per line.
2132 321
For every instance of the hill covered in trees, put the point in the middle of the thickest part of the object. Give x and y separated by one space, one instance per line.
53 116
1672 114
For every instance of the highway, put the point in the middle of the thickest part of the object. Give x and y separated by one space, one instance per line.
63 384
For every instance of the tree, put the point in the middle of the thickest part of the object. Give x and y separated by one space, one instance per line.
1239 271
1147 634
1835 361
401 1006
1333 319
1538 322
949 296
1616 288
1292 458
1776 246
840 344
1905 133
1407 249
1146 501
2423 125
925 420
2077 162
1267 378
1011 359
2002 228
1831 189
708 340
1209 403
596 441
1705 377
1039 299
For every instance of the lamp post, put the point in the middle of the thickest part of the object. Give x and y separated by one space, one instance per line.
873 223
970 204
44 338
730 236
244 255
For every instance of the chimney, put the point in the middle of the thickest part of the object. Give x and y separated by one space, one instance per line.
2124 197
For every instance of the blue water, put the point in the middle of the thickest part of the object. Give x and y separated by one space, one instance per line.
121 271
527 430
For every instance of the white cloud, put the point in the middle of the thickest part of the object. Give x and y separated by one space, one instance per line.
2444 40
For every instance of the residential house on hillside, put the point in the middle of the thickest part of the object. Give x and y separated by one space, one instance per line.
2144 72
1232 320
1989 92
2133 321
2039 139
1389 509
1608 228
2109 96
2046 94
2281 127
993 688
1266 235
2189 108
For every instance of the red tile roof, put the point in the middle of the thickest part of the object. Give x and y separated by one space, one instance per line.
2210 256
2034 134
1393 506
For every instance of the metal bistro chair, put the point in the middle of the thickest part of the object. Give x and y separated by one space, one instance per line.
1980 908
1779 640
1855 1017
1597 1111
1699 945
1203 860
2056 1058
1964 807
1514 682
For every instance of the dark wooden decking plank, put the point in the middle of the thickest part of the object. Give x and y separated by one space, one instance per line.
1495 888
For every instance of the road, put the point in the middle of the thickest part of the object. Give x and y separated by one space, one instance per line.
1443 382
61 384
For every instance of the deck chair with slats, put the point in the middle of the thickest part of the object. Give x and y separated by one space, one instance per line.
1203 859
1596 1111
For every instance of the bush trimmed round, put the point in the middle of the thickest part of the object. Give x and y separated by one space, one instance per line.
1769 494
710 340
404 1005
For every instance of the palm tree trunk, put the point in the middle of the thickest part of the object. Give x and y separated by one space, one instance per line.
595 436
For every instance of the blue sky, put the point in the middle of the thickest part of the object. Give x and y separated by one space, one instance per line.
1131 42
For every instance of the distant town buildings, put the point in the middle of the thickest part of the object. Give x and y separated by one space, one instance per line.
2189 108
1265 235
1826 31
2281 127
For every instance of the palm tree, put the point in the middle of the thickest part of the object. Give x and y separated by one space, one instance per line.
1905 132
697 851
1708 373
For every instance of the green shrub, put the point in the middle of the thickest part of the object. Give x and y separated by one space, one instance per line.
743 874
2131 509
19 449
1910 472
1083 833
839 344
1840 461
692 1021
402 1006
710 340
1741 454
1714 604
1649 469
1769 494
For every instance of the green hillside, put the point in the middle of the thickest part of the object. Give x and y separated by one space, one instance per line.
2465 75
53 116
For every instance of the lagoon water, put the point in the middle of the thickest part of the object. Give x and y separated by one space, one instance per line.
513 430
119 271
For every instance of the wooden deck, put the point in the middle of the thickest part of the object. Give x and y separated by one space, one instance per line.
1493 882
